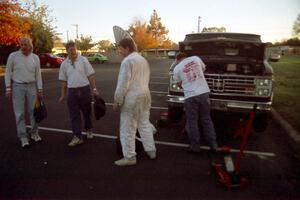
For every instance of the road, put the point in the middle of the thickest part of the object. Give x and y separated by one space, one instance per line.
52 170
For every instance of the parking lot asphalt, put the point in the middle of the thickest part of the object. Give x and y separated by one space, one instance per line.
52 170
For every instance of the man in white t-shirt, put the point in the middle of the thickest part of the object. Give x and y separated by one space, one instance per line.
77 75
189 75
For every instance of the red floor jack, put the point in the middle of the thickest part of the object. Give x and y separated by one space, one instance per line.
230 176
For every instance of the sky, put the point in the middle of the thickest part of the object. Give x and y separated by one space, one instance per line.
272 19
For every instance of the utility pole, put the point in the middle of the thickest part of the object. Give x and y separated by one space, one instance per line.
199 20
67 35
76 25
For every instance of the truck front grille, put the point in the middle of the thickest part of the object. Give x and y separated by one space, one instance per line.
231 85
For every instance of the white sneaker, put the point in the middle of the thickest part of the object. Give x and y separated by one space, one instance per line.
89 134
125 162
36 137
151 154
24 142
75 141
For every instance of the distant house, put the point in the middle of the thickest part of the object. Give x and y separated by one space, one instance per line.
286 50
156 52
58 47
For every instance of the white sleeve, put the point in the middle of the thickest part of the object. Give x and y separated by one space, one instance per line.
38 74
203 66
89 70
8 70
62 73
176 74
123 82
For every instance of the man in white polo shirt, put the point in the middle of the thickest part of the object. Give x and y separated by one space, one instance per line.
189 75
23 79
77 75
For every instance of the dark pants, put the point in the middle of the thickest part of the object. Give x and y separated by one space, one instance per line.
197 110
79 100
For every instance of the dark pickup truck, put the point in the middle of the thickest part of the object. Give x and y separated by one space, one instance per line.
237 72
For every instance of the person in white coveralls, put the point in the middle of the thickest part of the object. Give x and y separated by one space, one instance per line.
133 99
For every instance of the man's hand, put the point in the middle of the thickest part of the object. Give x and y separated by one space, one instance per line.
40 94
62 99
95 92
116 107
8 93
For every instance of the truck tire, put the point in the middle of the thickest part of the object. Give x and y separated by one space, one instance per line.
175 114
260 122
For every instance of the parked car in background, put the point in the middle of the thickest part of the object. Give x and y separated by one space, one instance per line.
62 55
49 60
275 57
237 72
96 58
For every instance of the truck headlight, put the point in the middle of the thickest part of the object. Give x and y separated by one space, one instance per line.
263 82
263 87
175 87
263 92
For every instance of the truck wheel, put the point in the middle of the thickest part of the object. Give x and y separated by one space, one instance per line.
260 122
175 114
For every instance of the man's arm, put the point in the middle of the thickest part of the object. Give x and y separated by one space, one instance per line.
63 91
123 83
92 81
38 76
8 76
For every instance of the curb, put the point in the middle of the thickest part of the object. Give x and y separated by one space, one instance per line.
289 129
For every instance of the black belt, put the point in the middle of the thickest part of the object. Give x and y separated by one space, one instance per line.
25 83
80 88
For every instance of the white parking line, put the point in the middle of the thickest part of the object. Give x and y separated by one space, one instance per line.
158 77
257 153
153 107
159 83
158 92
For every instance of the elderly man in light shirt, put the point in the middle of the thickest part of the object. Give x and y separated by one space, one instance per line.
77 78
23 80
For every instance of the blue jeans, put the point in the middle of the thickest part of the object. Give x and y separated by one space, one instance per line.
197 110
20 92
79 100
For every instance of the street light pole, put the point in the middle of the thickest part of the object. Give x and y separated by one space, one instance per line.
199 20
67 35
76 25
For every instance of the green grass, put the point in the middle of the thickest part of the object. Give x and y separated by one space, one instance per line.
287 89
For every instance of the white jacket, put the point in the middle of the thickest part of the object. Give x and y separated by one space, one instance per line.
133 79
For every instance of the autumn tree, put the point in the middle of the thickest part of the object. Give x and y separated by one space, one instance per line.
84 43
158 31
105 45
296 27
12 23
43 33
141 36
214 30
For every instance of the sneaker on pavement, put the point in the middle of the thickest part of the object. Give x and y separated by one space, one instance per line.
125 162
75 141
36 137
89 134
151 154
24 142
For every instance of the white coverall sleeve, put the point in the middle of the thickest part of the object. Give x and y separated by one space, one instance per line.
8 71
123 82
